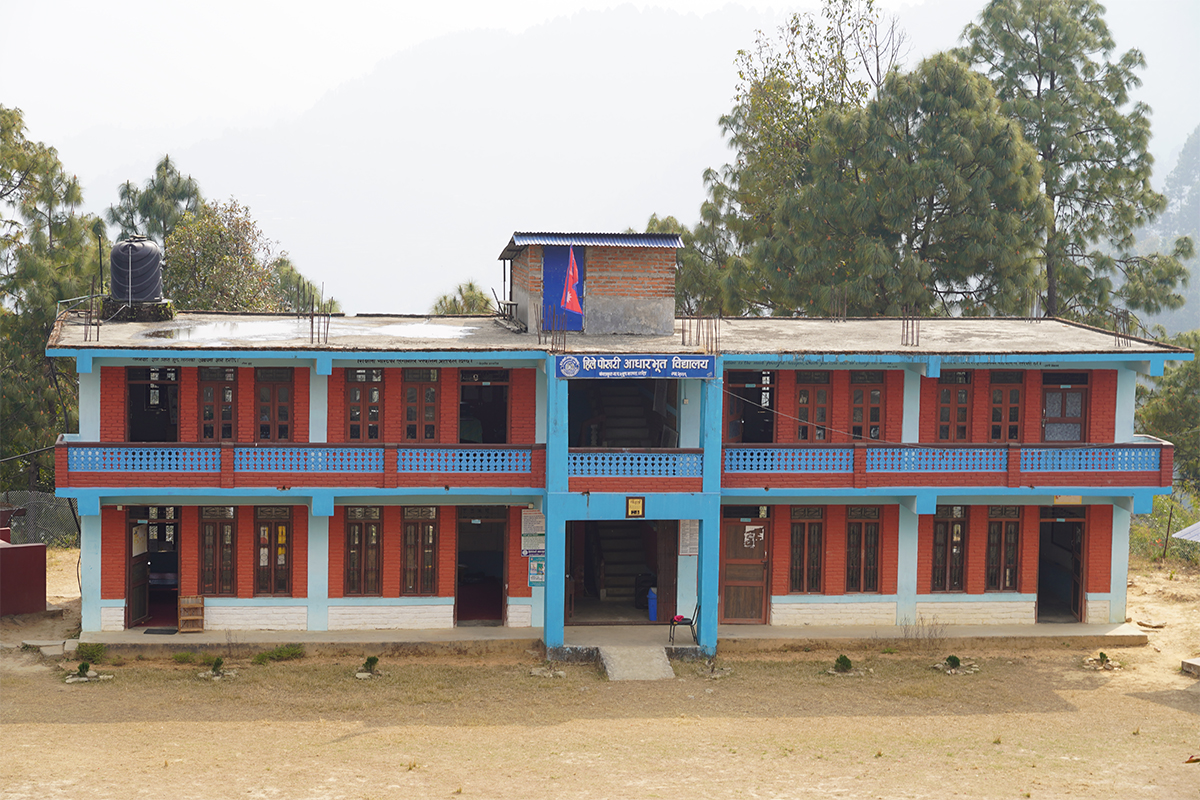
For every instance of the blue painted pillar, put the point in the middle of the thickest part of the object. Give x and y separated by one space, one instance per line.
1126 407
906 578
1119 576
318 572
708 568
557 489
89 580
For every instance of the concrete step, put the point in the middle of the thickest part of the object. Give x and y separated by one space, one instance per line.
631 663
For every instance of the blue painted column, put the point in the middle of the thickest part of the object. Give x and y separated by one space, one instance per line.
89 406
1120 562
1126 407
708 570
911 423
89 579
318 572
906 578
557 489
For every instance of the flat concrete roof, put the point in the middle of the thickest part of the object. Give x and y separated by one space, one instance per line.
194 331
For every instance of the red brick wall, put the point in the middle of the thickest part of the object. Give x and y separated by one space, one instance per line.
924 553
1031 414
447 551
889 549
299 551
189 404
518 565
187 543
245 547
113 397
337 551
246 396
392 557
981 406
929 410
1098 541
631 272
527 270
633 486
1029 547
834 568
839 406
522 404
448 406
335 411
1102 410
779 556
975 579
300 388
113 557
893 411
786 425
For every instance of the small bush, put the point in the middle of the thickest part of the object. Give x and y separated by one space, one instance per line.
83 669
216 665
92 652
370 664
207 659
285 652
842 664
953 662
183 658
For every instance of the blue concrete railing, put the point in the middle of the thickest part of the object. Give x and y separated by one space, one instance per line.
157 458
307 459
623 464
937 459
1090 459
789 459
430 459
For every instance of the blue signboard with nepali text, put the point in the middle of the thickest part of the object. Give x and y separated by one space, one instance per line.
635 366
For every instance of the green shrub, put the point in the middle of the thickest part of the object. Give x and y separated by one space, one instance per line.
370 664
842 664
285 652
183 658
953 662
83 669
92 652
216 665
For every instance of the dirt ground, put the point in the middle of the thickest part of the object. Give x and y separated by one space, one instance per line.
1031 723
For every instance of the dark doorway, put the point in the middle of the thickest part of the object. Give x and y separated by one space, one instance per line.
750 407
623 413
152 592
153 404
481 585
1060 565
620 571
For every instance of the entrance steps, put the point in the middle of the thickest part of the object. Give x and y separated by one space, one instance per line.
624 560
636 663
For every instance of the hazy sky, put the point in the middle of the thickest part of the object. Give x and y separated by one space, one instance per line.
115 85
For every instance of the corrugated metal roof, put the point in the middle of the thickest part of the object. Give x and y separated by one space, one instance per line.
522 240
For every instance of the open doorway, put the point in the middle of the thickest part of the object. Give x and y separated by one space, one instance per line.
621 572
623 413
481 590
1060 564
152 590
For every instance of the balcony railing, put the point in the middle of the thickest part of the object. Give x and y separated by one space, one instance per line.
789 459
156 458
608 463
308 459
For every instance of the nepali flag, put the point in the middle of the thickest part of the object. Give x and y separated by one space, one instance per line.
570 298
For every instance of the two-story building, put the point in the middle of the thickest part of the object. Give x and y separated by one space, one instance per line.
588 458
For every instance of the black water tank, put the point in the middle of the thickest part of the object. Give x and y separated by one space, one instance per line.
136 265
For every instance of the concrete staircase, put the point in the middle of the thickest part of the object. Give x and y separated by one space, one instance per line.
624 560
626 413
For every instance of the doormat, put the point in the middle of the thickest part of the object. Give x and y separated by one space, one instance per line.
163 631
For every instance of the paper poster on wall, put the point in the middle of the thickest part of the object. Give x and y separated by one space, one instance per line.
533 533
689 537
537 571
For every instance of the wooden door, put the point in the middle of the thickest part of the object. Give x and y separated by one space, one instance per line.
137 602
744 572
1063 414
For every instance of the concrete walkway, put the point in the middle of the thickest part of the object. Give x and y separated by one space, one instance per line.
636 663
584 642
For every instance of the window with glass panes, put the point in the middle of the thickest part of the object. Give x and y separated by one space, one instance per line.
807 548
420 405
949 548
218 404
218 550
161 523
1003 548
812 395
419 572
866 404
364 404
1006 389
1064 406
862 549
273 392
273 550
954 407
364 534
483 406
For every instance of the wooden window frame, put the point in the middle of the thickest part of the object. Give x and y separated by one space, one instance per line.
160 394
218 566
864 381
1002 572
419 545
264 378
810 408
1067 381
363 572
364 380
266 577
416 403
863 537
763 386
1007 395
954 406
808 550
218 403
951 530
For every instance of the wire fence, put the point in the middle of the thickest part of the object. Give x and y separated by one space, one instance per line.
49 520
